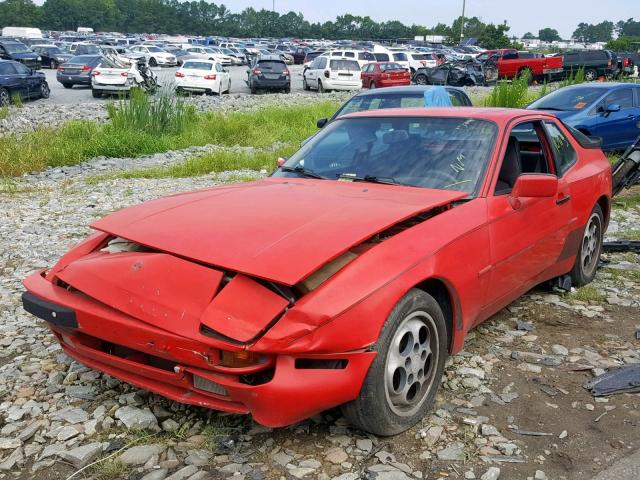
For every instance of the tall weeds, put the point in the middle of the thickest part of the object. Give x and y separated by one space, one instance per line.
156 115
573 78
510 94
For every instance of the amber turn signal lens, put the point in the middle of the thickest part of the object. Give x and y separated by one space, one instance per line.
240 359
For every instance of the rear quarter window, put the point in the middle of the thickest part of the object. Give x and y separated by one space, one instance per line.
563 153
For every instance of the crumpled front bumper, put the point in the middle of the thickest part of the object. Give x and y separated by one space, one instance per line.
297 387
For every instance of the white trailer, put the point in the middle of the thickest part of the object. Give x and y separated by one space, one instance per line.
21 32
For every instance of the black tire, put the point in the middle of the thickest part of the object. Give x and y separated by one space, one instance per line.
372 85
53 64
153 62
45 91
590 75
374 411
228 91
528 73
305 85
288 89
321 87
586 266
421 80
5 97
96 93
67 85
254 90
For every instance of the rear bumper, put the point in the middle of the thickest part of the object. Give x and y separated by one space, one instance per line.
74 79
342 84
111 88
394 83
271 84
157 360
197 85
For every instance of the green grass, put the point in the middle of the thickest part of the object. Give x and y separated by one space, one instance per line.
8 186
79 141
110 469
4 112
588 294
17 101
630 235
513 94
573 78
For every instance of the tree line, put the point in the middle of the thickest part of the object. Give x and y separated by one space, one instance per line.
205 18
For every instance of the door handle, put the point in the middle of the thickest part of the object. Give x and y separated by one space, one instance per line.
562 200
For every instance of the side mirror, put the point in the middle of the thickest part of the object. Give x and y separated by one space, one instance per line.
613 107
281 161
322 122
533 185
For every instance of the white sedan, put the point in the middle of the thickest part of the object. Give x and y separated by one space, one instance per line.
205 76
210 54
156 56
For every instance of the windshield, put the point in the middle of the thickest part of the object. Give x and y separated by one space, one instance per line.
430 152
348 65
16 48
381 101
53 51
390 66
420 56
272 66
87 49
155 49
572 99
198 66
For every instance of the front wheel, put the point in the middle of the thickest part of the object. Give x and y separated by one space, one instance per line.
44 90
421 80
153 62
590 75
584 270
53 65
305 85
5 98
402 381
321 87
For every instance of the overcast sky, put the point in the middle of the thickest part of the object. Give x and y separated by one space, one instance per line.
521 15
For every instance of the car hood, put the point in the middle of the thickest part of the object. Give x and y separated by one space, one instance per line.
279 229
24 56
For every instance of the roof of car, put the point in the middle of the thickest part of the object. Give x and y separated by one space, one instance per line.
499 115
604 85
400 90
270 58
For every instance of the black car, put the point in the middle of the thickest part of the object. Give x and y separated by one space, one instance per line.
299 55
269 72
77 70
19 52
596 63
16 79
51 55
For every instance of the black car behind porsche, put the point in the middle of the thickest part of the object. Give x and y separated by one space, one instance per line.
17 80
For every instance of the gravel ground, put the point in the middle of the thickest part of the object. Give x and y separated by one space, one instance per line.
511 406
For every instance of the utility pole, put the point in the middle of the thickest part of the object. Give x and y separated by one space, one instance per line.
462 23
273 7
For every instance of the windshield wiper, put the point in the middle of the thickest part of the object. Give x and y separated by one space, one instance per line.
369 179
305 172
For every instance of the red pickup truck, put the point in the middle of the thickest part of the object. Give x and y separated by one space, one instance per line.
512 63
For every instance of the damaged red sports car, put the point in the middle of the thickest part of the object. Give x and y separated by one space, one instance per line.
346 278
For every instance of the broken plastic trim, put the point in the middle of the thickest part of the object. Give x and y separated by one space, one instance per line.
321 363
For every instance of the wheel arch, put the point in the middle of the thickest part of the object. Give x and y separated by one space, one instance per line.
445 294
605 205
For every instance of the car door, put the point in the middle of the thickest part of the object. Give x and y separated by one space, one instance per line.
367 75
31 81
617 129
527 240
10 80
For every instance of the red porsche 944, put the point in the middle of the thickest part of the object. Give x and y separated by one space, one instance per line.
345 278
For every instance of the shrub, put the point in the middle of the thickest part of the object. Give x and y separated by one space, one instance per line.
510 94
573 78
157 115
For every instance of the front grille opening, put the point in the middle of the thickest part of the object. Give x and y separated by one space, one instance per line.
125 353
258 378
321 364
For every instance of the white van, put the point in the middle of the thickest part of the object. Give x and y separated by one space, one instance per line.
332 73
361 56
22 32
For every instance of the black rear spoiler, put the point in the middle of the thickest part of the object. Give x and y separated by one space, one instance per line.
626 171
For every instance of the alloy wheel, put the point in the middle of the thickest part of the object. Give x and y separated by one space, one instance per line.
590 252
411 363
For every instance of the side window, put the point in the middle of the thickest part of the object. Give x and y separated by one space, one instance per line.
572 58
350 54
315 63
323 63
622 97
525 153
6 69
510 56
457 99
21 69
563 153
336 54
218 67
